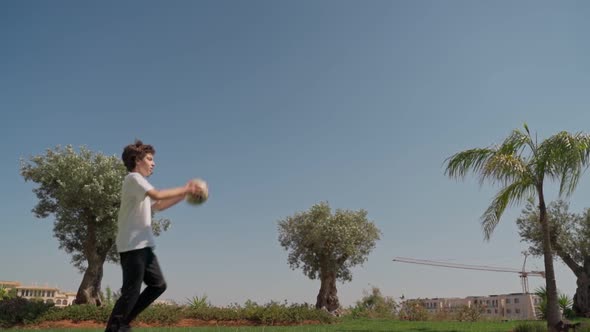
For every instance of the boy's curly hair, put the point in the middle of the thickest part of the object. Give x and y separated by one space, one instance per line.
134 152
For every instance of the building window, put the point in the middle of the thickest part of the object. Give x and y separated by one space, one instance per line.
508 311
507 301
515 300
517 311
489 311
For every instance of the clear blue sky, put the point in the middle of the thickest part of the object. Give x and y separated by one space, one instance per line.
283 104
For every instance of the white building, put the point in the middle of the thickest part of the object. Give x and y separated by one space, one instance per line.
45 294
514 306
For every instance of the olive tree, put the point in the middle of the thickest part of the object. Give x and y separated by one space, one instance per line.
326 246
570 241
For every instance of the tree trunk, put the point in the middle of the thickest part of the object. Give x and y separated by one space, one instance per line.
553 316
327 297
581 304
582 297
89 291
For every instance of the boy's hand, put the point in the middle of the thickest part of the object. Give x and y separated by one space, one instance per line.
193 188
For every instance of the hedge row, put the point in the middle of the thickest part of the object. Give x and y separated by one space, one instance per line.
20 311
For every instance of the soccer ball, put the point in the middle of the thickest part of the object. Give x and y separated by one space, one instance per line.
200 198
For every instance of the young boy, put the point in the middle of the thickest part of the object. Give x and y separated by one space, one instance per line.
135 240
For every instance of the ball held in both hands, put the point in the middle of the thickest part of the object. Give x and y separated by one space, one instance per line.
201 196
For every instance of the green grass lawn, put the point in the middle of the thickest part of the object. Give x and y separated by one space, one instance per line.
348 325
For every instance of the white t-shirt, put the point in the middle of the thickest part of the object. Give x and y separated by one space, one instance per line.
135 215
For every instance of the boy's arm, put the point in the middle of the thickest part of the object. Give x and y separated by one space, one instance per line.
159 195
168 197
166 203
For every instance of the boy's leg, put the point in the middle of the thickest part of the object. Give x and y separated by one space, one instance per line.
133 264
156 285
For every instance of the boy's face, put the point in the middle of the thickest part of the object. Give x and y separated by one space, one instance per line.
146 165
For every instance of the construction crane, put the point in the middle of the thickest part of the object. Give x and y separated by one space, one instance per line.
523 274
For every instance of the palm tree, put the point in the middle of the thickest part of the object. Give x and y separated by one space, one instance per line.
520 165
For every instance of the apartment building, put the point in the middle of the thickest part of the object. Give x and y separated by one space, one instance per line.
46 294
514 306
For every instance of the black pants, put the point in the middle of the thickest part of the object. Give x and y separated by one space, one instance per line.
138 266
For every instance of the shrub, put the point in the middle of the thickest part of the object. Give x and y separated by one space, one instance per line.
413 310
530 327
109 297
7 293
161 314
78 313
470 313
19 310
198 302
213 313
444 314
272 313
374 305
565 304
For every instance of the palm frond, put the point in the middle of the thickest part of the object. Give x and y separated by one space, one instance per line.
515 193
564 157
459 164
514 143
504 168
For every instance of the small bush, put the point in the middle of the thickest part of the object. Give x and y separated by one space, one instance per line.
443 314
18 310
7 293
413 310
198 302
161 314
78 313
531 327
374 305
213 313
272 313
21 311
470 313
